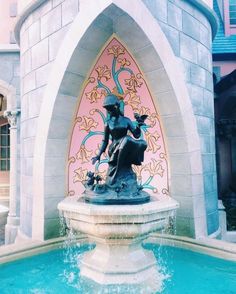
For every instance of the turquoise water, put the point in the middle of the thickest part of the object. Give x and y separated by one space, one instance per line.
57 271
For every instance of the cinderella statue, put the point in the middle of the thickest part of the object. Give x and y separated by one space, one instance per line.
121 183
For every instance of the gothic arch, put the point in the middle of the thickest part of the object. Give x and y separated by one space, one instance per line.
88 33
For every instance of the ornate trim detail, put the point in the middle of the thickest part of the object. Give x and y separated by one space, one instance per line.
11 116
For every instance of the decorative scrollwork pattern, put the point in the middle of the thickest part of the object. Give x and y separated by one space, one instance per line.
116 72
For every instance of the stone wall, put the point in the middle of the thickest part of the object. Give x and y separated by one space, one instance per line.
40 38
189 34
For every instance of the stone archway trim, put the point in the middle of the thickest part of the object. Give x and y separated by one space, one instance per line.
138 12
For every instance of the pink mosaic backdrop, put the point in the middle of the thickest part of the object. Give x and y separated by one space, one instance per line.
116 71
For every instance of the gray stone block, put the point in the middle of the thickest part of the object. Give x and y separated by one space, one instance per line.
205 36
65 106
69 10
158 81
51 210
26 63
204 57
42 75
24 107
186 6
188 48
209 81
212 222
130 33
26 224
204 125
28 147
173 37
186 69
183 226
95 38
34 33
209 103
202 18
208 163
59 128
209 183
40 54
57 2
198 75
24 41
51 22
29 82
158 9
104 22
27 166
55 166
56 147
84 59
205 141
147 59
71 84
55 40
42 10
174 16
51 228
191 26
35 101
30 128
53 185
196 96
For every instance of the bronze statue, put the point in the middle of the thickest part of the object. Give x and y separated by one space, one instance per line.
121 183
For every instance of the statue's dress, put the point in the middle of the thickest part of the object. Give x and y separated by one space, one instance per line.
123 151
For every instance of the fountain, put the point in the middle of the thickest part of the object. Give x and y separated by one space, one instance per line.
118 215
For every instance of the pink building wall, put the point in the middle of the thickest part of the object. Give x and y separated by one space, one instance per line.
226 67
6 22
229 29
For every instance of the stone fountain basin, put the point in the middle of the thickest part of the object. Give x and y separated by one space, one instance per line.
118 231
117 221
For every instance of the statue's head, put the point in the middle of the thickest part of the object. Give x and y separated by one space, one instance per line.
111 103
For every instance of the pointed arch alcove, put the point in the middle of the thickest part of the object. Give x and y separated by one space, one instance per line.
151 50
116 71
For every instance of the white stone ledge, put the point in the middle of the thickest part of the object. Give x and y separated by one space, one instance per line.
217 248
9 48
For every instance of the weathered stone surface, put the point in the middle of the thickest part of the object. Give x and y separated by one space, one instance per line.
51 22
40 54
191 26
188 48
34 33
174 16
157 8
69 10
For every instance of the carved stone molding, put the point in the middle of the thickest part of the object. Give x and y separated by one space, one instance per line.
11 116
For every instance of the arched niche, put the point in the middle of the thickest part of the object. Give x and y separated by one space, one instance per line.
116 71
147 43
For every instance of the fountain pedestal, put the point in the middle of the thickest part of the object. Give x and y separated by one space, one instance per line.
118 231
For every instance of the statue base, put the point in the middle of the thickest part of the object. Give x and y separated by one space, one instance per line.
116 198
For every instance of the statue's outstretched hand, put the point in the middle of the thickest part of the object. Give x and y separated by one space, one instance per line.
94 159
140 118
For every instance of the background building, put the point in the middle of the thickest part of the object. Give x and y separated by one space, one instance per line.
224 66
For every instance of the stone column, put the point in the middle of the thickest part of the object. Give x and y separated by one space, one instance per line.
13 219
